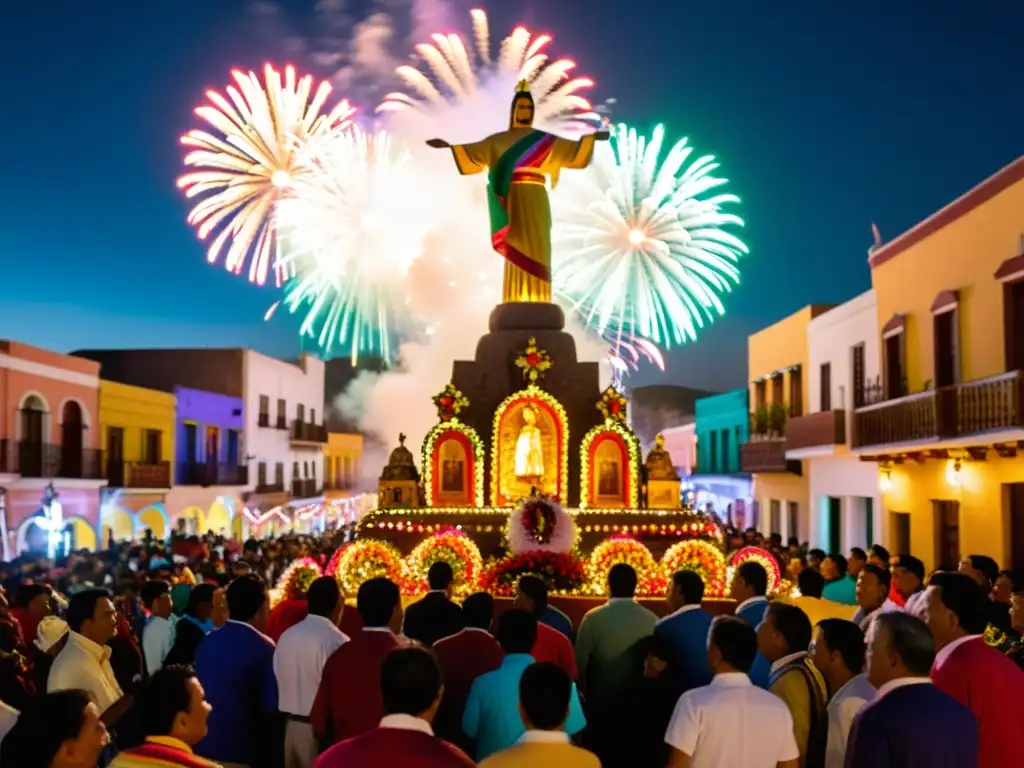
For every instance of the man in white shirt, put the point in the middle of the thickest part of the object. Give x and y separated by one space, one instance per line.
731 722
838 652
299 662
158 634
84 663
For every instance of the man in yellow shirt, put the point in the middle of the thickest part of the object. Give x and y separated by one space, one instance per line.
783 638
544 692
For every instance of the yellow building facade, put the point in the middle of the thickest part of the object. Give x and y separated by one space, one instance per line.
777 368
137 431
944 419
342 456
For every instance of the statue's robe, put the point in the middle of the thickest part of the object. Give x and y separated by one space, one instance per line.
519 159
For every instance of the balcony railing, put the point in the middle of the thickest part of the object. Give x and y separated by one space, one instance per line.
964 410
263 420
194 473
767 456
270 487
281 423
816 430
138 474
303 432
47 460
339 485
305 489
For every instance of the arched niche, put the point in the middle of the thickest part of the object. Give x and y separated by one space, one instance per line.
529 448
154 518
610 467
453 458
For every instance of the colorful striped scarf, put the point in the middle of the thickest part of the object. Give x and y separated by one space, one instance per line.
153 754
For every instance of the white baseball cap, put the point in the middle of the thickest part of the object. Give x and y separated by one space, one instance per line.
50 631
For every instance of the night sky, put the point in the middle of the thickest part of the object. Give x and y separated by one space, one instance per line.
826 115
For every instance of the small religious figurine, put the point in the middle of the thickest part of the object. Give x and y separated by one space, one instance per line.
518 160
529 452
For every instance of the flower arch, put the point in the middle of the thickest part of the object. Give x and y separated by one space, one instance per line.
537 396
632 447
475 451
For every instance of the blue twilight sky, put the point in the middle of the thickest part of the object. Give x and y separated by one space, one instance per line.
826 114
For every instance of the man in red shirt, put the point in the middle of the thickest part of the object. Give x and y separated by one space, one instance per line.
410 685
348 702
978 676
463 657
551 645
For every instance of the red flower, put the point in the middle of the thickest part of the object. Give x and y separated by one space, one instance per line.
615 407
532 359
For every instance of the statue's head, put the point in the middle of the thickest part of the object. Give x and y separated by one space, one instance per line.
522 107
529 415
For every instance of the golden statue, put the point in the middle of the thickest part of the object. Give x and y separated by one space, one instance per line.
529 451
518 160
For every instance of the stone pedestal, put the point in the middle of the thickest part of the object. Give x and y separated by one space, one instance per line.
492 376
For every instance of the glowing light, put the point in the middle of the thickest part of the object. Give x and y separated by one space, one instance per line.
244 167
349 231
455 74
640 246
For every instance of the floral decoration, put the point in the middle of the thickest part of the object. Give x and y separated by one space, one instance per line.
451 546
534 361
365 559
450 402
295 581
700 556
621 548
612 405
765 558
541 524
562 572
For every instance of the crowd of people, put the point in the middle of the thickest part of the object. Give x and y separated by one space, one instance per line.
152 656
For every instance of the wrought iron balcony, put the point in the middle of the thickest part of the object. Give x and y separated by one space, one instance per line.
767 456
138 474
270 487
305 489
816 430
968 410
304 432
263 420
195 473
47 460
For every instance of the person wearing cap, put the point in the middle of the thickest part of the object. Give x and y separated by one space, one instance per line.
51 637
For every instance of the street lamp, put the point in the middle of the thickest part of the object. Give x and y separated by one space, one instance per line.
53 520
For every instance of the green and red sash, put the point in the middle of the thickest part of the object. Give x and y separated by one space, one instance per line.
518 160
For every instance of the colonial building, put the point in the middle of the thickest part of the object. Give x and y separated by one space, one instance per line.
947 425
50 463
777 366
282 409
136 433
845 501
212 472
723 425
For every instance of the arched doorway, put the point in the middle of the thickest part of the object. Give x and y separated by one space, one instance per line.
218 517
117 523
71 427
153 518
33 436
80 534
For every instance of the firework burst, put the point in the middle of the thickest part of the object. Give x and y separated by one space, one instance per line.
242 169
349 229
641 247
456 73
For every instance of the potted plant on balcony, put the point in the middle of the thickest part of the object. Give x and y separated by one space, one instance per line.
777 419
759 422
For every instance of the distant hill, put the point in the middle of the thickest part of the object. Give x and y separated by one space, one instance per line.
661 406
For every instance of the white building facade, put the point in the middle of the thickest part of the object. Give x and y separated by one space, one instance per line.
285 435
844 494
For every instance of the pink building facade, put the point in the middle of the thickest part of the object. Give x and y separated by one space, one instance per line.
49 436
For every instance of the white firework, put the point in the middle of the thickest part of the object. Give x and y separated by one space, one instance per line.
456 73
641 247
350 228
242 170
